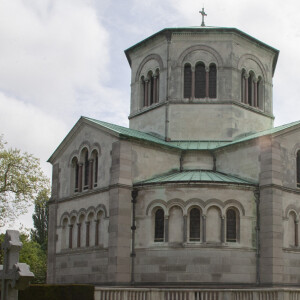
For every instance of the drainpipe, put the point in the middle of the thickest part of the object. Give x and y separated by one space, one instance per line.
214 162
181 161
134 194
257 229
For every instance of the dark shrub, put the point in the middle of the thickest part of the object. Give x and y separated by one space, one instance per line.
58 292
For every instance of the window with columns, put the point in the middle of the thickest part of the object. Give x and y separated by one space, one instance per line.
84 173
150 88
200 82
251 89
83 230
159 225
195 226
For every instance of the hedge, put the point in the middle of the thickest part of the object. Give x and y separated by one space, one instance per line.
58 292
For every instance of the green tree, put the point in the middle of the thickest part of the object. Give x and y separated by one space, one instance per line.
21 179
33 255
40 219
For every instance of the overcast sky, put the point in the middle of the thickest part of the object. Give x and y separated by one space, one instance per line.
60 59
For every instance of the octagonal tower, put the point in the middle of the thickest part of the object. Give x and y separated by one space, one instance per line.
201 83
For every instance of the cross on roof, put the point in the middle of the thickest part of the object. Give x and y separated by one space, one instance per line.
202 12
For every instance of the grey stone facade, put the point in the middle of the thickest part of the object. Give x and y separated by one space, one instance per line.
212 154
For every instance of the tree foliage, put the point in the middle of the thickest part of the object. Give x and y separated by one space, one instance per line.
21 179
40 219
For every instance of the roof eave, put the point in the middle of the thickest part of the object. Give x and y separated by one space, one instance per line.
167 31
82 120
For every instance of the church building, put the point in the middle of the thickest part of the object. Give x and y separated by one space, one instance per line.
200 190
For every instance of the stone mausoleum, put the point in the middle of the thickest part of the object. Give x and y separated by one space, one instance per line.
200 190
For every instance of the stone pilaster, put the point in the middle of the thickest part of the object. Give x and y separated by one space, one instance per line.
51 242
119 264
271 227
52 219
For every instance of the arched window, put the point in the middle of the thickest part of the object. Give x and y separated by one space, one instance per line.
64 233
97 228
200 80
187 86
195 225
243 87
71 232
95 168
258 92
250 90
159 226
80 231
231 225
88 228
156 86
75 173
151 96
298 169
86 169
143 91
212 81
293 230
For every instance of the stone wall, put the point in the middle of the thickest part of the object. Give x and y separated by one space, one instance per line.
82 266
195 264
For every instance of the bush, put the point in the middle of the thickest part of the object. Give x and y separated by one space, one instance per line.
58 292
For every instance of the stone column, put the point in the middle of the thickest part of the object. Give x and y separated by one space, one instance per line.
80 177
193 83
204 228
207 83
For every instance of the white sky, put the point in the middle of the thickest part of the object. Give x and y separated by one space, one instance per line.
60 59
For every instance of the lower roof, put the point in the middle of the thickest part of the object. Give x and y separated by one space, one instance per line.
196 176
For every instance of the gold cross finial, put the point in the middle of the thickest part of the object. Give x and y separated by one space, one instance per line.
202 12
